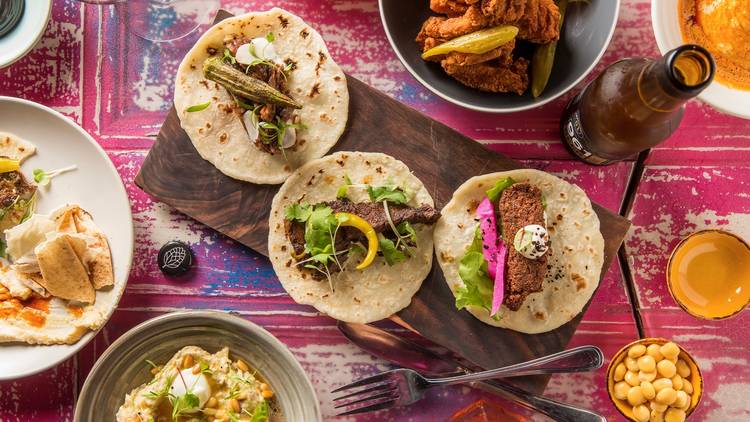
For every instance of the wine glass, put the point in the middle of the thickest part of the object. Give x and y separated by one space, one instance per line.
163 20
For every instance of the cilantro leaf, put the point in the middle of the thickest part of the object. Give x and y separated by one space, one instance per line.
407 230
391 254
260 413
388 193
184 404
494 193
298 212
228 56
343 190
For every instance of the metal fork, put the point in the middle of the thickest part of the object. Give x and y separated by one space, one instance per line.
402 387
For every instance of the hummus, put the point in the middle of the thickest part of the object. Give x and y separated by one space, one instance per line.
195 385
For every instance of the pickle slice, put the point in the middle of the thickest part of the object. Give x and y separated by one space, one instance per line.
478 42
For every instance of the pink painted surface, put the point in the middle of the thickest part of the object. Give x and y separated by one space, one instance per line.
119 88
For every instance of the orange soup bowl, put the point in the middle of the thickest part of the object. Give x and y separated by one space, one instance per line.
656 388
708 274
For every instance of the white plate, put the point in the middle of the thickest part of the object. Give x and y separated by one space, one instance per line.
95 185
27 32
666 24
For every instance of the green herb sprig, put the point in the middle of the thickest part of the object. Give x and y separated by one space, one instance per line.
43 178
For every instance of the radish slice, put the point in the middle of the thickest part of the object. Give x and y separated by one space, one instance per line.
498 292
250 125
488 226
290 138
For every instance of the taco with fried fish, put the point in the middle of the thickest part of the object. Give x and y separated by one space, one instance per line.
351 234
520 249
259 95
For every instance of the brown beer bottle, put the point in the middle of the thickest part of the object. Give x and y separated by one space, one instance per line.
634 104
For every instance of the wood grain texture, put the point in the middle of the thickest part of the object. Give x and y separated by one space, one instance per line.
442 158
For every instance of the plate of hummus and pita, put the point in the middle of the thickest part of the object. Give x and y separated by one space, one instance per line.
66 238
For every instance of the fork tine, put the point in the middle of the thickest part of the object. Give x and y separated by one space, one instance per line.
387 393
377 387
377 406
364 381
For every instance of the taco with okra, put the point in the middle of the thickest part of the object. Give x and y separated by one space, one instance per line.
520 249
351 235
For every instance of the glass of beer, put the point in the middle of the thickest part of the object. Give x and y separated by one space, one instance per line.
708 274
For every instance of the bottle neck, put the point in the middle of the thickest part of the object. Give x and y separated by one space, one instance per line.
664 85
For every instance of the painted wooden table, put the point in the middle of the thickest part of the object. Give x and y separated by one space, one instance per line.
119 88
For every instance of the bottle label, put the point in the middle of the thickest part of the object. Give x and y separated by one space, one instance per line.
577 140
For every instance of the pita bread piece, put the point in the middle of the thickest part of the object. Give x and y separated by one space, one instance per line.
99 259
63 273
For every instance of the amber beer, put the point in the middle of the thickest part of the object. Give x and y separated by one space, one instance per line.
634 104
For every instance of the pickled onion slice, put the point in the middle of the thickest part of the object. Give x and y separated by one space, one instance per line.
488 226
498 291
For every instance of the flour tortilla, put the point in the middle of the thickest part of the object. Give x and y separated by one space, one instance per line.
360 296
317 82
576 251
12 146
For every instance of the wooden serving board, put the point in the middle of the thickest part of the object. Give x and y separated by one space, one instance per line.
442 158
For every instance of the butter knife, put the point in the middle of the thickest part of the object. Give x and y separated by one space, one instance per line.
410 355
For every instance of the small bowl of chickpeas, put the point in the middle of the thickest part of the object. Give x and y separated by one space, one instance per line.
654 380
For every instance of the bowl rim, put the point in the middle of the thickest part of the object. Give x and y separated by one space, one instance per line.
495 110
35 37
228 317
712 99
668 273
649 340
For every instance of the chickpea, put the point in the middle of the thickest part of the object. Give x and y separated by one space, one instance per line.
674 415
646 363
670 351
620 371
687 386
235 405
683 369
641 413
648 390
657 416
666 368
196 369
646 376
637 351
632 378
658 407
631 364
682 401
662 383
621 390
666 396
187 361
677 382
267 394
242 365
635 396
653 351
212 402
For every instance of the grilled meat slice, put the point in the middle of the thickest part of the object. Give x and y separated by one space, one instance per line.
15 194
521 205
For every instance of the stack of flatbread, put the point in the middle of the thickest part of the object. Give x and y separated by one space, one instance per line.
63 255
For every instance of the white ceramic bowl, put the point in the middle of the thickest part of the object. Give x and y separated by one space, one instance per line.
666 24
27 32
95 185
122 367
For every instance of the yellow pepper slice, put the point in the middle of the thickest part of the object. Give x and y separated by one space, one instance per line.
478 42
8 165
350 220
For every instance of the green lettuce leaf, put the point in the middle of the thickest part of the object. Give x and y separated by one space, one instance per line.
477 288
494 193
390 253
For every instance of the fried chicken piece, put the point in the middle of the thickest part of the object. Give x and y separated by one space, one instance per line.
451 8
449 28
491 76
537 20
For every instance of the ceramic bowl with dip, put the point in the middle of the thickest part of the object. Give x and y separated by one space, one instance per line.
723 28
708 274
654 379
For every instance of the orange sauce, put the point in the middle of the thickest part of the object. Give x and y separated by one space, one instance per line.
34 310
76 311
709 274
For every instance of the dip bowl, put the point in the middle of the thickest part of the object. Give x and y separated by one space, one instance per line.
122 367
695 378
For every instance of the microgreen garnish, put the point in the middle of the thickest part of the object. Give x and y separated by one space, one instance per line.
405 234
270 37
260 413
198 107
343 189
151 363
42 178
229 57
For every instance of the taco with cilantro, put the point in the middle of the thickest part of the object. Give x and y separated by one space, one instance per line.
351 234
259 95
520 249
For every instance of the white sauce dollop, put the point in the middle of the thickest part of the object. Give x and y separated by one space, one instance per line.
258 48
531 241
196 384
